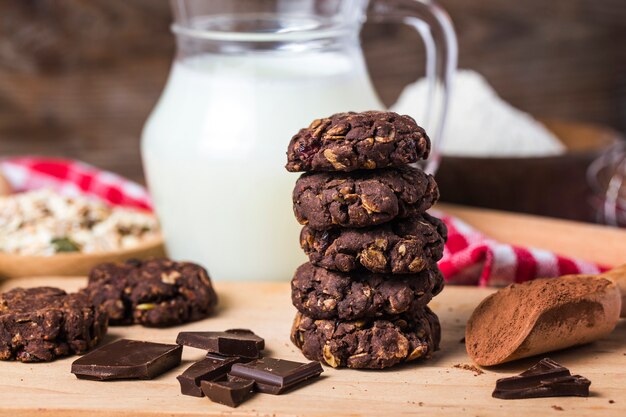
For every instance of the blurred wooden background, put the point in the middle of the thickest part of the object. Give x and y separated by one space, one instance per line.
79 77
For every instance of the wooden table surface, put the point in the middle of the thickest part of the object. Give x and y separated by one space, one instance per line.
434 387
590 242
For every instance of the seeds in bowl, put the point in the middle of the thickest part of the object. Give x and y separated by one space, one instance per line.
44 222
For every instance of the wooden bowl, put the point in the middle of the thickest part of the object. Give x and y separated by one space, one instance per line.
550 186
72 263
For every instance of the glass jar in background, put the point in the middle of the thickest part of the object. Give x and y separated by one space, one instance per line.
247 76
607 177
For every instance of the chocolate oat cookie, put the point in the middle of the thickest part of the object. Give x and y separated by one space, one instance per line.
362 198
44 323
399 247
351 141
157 292
374 344
323 294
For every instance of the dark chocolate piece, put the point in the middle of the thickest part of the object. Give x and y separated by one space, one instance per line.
545 379
275 376
228 392
127 359
233 342
211 368
260 386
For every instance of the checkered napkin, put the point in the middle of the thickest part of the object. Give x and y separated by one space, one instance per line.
469 257
472 258
73 178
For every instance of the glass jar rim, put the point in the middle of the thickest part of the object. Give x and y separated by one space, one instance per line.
297 28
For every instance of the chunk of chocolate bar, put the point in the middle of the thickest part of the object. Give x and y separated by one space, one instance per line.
127 359
211 368
545 379
228 392
275 376
234 342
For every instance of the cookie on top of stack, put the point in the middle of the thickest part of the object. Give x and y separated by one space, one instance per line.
373 250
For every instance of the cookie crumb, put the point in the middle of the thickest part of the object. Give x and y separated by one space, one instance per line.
611 402
467 367
420 404
556 407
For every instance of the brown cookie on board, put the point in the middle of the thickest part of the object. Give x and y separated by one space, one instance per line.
369 344
362 198
44 323
156 292
351 141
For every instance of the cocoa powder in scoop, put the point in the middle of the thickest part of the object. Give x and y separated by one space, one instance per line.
540 316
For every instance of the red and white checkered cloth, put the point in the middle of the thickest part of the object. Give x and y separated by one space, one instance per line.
469 257
73 178
472 258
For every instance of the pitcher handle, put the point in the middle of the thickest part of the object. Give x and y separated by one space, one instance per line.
435 27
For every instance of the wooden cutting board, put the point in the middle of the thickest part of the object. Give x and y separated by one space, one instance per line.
433 387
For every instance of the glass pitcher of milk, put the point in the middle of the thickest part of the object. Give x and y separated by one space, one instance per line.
247 76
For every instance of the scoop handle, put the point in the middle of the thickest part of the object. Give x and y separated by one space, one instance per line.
618 276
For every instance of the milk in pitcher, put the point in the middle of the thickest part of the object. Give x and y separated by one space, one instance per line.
214 151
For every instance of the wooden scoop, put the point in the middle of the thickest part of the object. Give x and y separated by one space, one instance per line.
618 276
543 315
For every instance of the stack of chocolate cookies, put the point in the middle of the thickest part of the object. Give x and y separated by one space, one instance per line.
373 250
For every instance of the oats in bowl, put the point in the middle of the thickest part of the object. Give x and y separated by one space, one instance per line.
43 222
